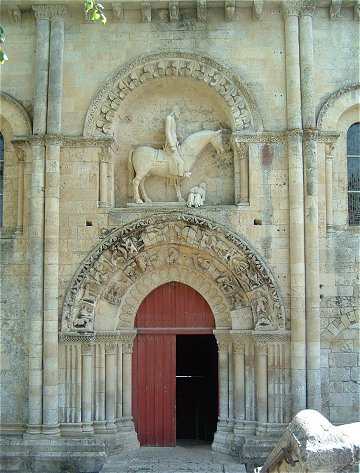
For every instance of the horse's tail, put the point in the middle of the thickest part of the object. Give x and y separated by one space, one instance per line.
131 173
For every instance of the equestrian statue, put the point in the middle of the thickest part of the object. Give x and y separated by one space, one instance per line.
173 162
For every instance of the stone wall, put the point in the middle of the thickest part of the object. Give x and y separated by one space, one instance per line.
94 182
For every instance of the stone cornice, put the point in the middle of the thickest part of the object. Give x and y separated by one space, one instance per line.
64 140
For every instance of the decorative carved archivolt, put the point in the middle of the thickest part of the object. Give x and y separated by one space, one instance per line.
330 101
102 111
145 249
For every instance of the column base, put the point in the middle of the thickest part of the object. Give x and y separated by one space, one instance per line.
33 429
74 450
51 430
224 437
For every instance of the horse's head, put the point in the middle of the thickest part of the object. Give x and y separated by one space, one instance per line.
217 142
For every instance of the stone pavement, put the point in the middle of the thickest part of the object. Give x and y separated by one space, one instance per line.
184 458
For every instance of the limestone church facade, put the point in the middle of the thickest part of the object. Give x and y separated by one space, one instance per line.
180 220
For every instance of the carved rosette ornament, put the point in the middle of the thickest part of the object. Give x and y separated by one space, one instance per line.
109 98
130 255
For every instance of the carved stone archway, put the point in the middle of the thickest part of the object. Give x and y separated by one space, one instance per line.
125 266
336 104
175 64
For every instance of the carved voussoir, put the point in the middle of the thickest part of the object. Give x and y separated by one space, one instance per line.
127 257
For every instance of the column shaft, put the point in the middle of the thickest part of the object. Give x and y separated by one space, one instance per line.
87 381
103 184
110 396
127 377
244 174
20 196
329 150
223 380
261 383
296 207
239 391
311 212
52 226
36 226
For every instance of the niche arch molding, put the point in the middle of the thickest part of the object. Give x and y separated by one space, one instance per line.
241 105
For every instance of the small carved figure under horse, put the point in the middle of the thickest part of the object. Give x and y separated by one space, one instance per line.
145 161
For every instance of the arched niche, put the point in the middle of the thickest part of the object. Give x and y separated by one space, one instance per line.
108 288
132 106
14 122
336 105
238 101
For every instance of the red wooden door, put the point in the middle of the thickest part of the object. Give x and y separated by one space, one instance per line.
171 309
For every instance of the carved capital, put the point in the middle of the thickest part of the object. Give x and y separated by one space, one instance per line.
229 10
258 8
335 9
127 342
15 14
329 150
291 8
87 349
174 10
223 340
110 348
357 10
58 11
41 12
46 12
308 8
146 12
311 133
20 152
201 9
239 342
261 348
118 11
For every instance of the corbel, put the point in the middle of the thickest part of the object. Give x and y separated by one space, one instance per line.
118 11
201 10
174 10
15 14
229 10
146 12
258 8
335 9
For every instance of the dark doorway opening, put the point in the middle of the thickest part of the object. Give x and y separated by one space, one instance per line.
196 387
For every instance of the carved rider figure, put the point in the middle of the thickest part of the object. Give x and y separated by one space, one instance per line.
172 146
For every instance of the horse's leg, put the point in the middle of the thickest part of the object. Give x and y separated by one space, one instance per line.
136 182
178 191
143 191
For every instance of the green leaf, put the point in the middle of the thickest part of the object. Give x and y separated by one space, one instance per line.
95 16
3 56
89 5
103 18
2 35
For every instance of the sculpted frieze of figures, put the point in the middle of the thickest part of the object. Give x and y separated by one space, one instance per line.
185 241
162 65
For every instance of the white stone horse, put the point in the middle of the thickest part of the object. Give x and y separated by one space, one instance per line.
145 161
